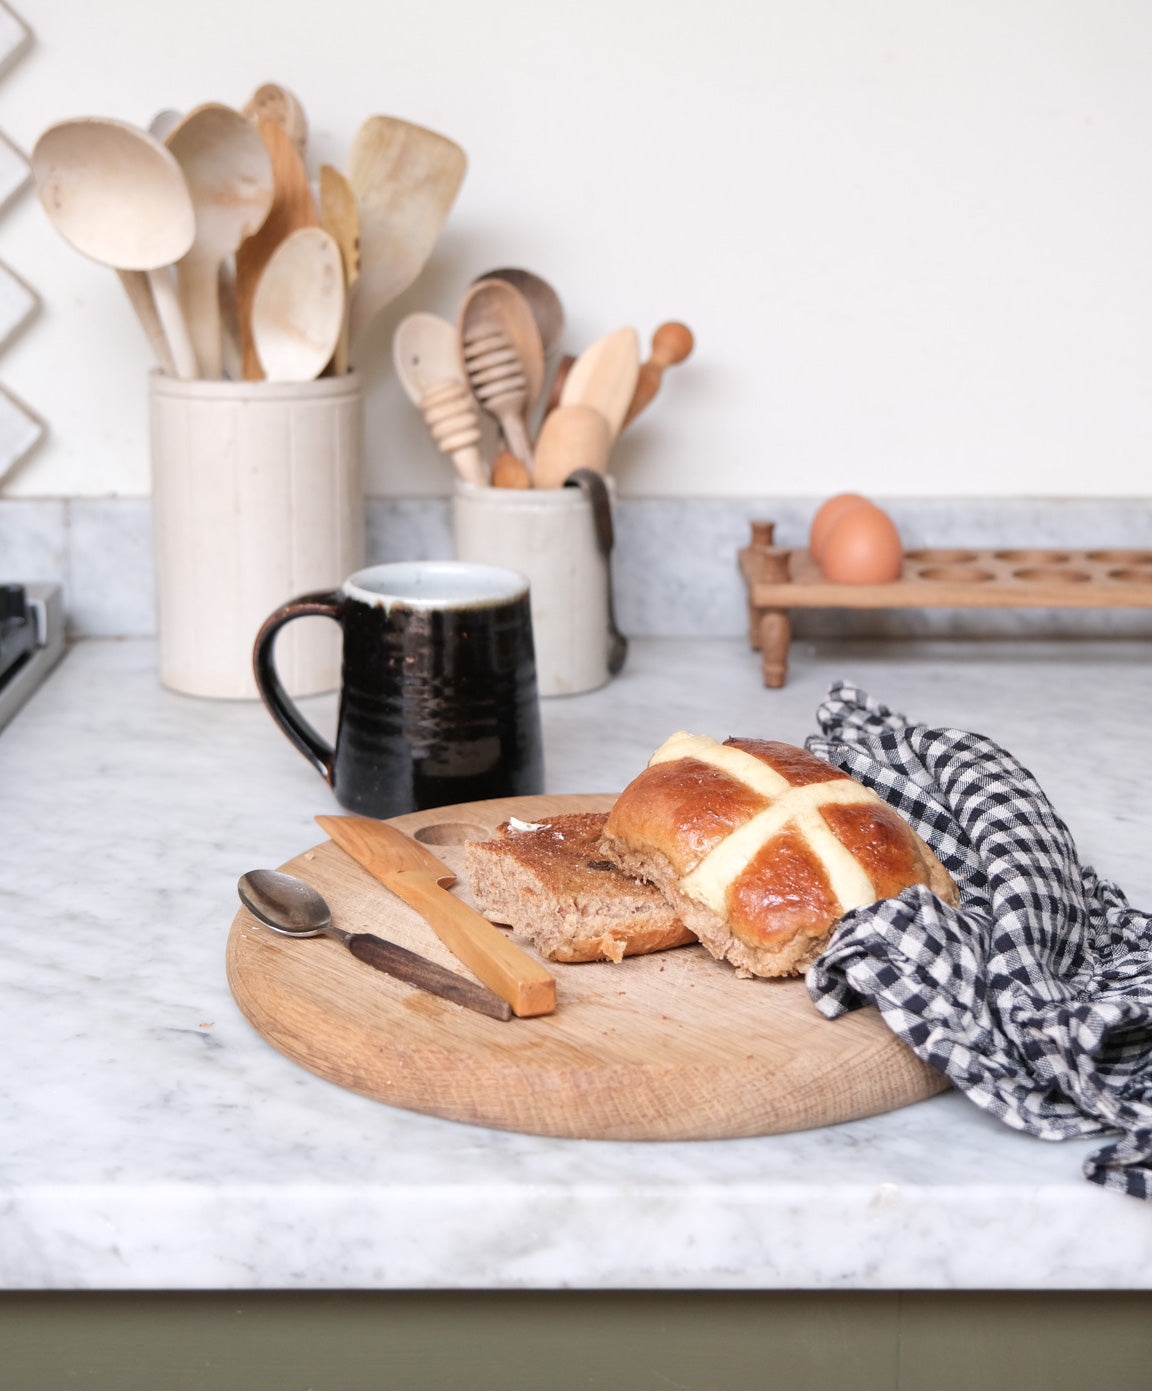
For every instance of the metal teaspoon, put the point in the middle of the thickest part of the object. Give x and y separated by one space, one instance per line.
290 906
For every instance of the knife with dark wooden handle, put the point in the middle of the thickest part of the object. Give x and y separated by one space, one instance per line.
421 880
409 966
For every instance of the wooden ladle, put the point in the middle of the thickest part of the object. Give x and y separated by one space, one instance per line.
118 196
428 366
542 299
229 175
298 308
502 357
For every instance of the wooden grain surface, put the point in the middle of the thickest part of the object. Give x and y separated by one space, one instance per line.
963 578
671 1046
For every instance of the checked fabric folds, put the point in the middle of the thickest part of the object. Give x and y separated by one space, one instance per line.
1034 997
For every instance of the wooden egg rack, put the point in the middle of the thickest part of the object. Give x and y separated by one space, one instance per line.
779 579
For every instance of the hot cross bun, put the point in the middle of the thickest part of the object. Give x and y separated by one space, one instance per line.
762 847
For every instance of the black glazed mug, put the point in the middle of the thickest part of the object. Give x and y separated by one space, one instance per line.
438 700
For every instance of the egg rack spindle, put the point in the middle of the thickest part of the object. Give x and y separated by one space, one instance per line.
780 578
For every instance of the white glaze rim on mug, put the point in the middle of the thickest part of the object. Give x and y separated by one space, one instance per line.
434 584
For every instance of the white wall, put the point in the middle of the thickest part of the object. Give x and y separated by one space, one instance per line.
913 237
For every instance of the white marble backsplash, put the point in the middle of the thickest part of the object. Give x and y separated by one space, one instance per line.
675 563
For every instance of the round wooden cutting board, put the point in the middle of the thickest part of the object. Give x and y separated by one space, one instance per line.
671 1046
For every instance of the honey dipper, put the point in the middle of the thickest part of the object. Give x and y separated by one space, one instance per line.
503 358
424 352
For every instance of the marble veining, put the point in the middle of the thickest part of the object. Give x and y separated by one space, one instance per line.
674 567
151 1139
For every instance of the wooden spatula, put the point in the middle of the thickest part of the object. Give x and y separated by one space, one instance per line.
604 377
405 179
421 880
340 216
292 206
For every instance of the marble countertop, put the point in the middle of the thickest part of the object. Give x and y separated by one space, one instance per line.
150 1139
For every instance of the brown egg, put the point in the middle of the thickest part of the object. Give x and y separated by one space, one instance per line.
827 515
863 547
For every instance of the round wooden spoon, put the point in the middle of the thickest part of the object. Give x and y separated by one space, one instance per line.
298 307
229 175
542 299
119 197
502 357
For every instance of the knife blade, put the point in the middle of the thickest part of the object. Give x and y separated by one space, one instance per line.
413 873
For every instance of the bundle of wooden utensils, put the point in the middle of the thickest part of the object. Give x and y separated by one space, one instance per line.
236 265
495 358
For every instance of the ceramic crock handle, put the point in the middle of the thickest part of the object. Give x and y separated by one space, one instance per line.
328 604
592 485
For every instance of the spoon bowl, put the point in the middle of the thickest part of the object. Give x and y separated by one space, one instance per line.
284 903
542 299
298 308
117 196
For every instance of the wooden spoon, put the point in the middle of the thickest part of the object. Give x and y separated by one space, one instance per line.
117 195
340 216
229 177
502 357
509 472
671 343
428 365
572 437
292 207
604 376
163 122
271 102
542 299
298 307
405 179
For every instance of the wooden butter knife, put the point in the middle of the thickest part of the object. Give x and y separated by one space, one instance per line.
421 880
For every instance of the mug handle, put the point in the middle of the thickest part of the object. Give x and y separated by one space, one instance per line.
592 485
327 603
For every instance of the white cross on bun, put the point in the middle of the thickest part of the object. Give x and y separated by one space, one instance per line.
762 847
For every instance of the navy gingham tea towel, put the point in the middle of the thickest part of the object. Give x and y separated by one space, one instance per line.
1034 997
